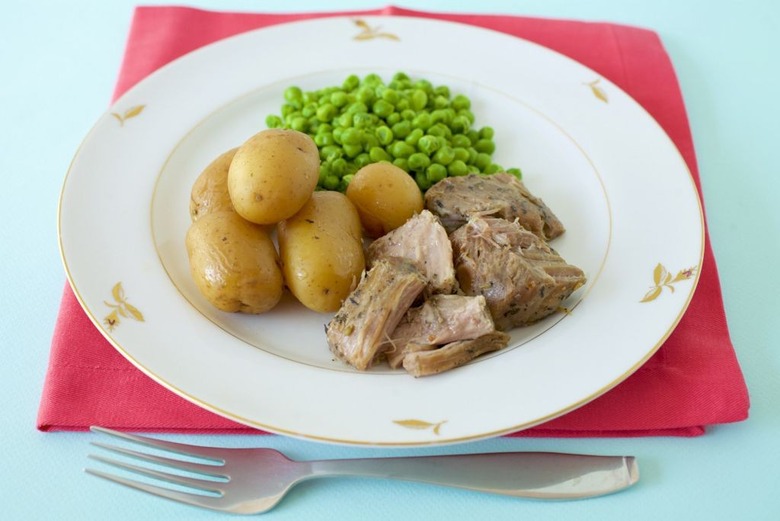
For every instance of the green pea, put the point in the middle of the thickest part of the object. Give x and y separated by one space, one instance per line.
408 115
338 166
353 151
457 168
391 96
274 122
324 173
372 79
460 141
339 99
494 168
401 76
424 85
357 107
378 154
423 120
369 141
362 160
422 181
365 95
287 109
402 129
344 182
442 90
515 172
322 140
351 82
414 136
382 108
293 95
299 123
428 144
461 154
483 161
419 99
460 124
363 120
440 130
418 161
330 152
309 110
460 102
401 149
441 102
326 112
384 135
485 145
444 156
401 163
345 120
441 116
331 182
486 133
352 136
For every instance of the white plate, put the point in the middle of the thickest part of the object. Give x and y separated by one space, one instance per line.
633 218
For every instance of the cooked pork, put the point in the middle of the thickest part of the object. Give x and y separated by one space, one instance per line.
423 241
455 354
373 310
455 199
522 279
441 319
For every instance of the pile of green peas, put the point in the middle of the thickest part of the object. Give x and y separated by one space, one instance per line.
421 128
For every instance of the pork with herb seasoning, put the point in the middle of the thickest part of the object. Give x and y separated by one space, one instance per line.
455 199
423 241
455 354
441 319
373 310
522 279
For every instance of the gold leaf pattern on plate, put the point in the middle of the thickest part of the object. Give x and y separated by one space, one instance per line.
420 425
120 308
370 33
128 114
597 90
662 278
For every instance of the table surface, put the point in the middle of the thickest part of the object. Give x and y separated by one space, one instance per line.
59 63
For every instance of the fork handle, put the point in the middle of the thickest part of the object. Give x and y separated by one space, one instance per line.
542 475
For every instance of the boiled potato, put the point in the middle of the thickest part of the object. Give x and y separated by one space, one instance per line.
234 263
210 192
273 174
321 250
385 197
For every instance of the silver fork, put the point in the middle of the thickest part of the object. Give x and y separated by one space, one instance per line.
252 481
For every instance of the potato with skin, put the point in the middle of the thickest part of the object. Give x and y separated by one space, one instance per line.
273 174
234 263
210 192
321 249
385 197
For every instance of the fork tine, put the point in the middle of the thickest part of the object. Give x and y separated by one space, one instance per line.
197 468
175 495
198 484
179 448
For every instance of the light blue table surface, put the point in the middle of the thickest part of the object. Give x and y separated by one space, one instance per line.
58 64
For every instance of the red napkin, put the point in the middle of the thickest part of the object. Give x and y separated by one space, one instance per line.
694 380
